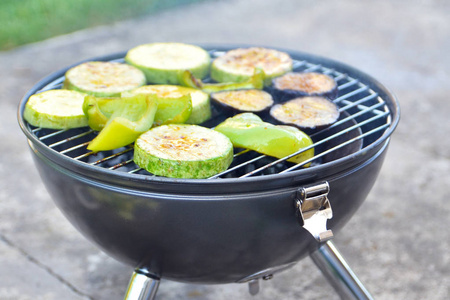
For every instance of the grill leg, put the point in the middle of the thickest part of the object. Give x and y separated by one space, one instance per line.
336 270
142 287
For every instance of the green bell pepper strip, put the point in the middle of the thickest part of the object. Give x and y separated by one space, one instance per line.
97 118
127 118
248 131
256 81
173 110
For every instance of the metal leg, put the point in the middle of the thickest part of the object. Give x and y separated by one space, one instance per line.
142 287
328 259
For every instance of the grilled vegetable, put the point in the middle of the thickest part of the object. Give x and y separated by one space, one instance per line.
131 117
201 110
248 131
170 110
256 81
292 85
306 112
183 151
99 110
174 110
103 79
56 109
244 100
238 65
162 62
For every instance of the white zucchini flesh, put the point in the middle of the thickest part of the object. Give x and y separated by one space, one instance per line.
201 109
103 79
183 151
163 62
239 64
56 109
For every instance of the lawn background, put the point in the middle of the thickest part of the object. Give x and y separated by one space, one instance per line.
28 21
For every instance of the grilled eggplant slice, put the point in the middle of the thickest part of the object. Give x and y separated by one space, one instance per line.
201 109
56 109
162 62
244 100
103 79
183 151
238 65
292 85
306 112
248 131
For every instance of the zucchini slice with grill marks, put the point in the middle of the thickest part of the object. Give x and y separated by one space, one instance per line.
163 62
201 109
103 79
183 151
292 85
306 112
238 65
56 109
244 100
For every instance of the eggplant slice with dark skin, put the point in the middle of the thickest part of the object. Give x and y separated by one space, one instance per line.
251 100
295 84
307 113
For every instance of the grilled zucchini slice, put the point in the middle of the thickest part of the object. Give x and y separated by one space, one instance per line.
201 109
163 62
56 109
292 85
103 79
183 151
306 112
238 65
244 100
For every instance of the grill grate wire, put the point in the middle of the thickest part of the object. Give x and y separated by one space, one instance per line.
359 105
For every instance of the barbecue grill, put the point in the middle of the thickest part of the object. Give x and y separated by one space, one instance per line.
259 217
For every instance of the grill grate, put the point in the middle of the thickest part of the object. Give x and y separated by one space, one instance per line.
364 118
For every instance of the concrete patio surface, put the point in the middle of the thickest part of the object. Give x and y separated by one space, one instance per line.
399 241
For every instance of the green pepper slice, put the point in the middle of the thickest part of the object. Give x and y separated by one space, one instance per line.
173 110
248 131
126 119
256 81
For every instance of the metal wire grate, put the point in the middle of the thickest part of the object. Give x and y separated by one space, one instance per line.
364 118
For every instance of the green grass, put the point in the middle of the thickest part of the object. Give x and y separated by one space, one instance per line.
27 21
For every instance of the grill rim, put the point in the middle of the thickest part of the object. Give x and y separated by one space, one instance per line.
308 174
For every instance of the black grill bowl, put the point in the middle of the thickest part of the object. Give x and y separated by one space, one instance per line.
207 231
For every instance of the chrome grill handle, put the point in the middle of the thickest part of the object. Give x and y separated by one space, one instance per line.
314 209
142 286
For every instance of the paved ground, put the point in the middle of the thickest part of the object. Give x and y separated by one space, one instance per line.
399 241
